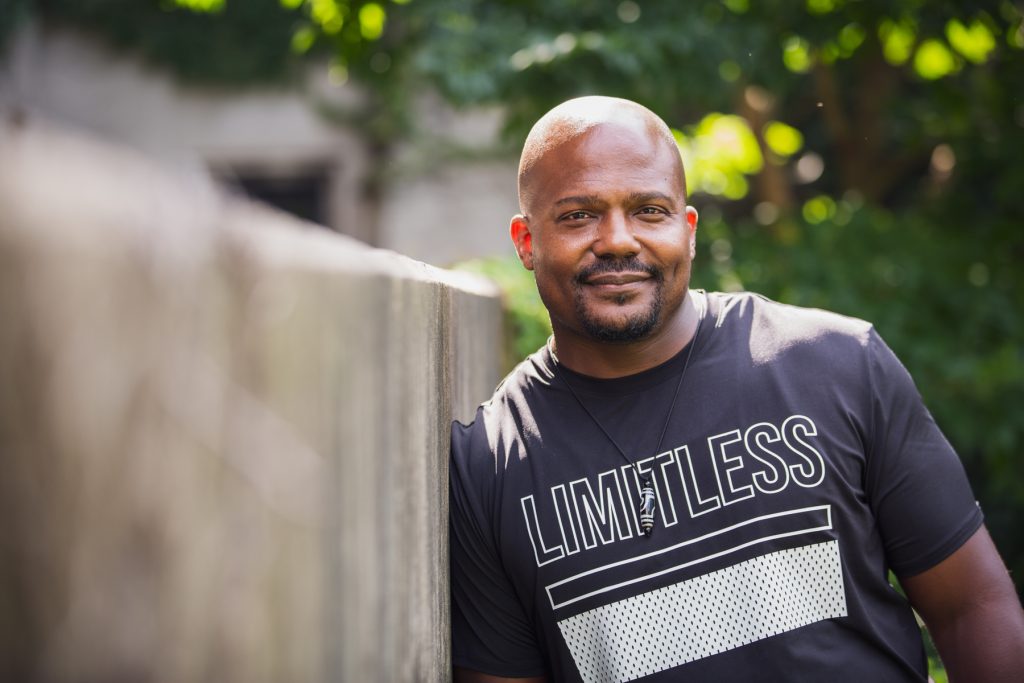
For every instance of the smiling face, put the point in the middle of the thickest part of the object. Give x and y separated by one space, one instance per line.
607 232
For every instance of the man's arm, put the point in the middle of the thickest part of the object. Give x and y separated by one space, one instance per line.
971 609
461 675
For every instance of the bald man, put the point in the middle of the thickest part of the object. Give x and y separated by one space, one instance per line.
697 486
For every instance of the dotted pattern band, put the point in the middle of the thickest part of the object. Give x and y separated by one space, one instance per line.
706 615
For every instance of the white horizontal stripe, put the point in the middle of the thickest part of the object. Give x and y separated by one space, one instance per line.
807 522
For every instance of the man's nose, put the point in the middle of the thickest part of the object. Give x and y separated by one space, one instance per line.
615 236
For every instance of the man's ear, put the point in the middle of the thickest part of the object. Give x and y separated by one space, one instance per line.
691 222
519 229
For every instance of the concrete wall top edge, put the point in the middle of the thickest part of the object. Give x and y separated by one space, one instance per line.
286 240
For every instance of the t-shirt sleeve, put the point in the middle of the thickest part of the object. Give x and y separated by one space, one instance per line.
491 631
917 484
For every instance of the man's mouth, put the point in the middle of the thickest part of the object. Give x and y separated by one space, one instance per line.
613 279
615 273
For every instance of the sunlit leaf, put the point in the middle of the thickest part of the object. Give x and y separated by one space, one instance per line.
737 6
201 5
819 209
823 6
732 139
897 40
974 42
850 38
796 54
371 21
782 139
328 14
303 39
934 60
736 187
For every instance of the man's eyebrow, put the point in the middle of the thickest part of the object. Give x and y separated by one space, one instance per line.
632 198
641 197
585 199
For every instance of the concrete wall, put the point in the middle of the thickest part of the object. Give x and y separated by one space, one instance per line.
223 433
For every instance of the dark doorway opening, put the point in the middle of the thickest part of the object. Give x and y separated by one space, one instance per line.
302 192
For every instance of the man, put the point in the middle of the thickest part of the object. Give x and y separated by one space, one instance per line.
693 486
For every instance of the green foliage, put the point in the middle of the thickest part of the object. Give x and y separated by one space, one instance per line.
936 669
719 152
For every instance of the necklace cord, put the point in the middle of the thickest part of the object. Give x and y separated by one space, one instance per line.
671 408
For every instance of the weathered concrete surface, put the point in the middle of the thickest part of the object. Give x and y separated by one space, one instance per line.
223 434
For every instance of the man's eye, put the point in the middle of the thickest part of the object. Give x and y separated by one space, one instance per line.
651 210
576 215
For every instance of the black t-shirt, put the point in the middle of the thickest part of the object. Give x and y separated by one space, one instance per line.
799 466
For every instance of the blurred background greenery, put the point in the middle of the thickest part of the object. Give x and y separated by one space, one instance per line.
857 155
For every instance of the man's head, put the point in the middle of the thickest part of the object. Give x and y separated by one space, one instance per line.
604 223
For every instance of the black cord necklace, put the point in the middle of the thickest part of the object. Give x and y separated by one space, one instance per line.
647 497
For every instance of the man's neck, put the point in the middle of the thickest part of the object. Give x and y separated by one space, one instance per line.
608 360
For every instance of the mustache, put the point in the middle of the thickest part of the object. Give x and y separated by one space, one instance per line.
629 264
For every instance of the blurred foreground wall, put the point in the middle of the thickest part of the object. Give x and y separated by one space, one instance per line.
223 434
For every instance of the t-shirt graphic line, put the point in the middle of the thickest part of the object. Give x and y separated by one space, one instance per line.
694 551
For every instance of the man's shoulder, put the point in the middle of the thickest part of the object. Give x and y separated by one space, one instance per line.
507 412
785 321
813 339
525 378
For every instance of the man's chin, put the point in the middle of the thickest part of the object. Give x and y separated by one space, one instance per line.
621 330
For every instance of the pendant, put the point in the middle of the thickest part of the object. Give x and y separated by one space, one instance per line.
647 508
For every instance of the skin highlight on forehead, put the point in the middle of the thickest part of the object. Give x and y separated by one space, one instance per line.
577 117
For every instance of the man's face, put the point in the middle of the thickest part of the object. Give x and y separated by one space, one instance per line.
608 234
